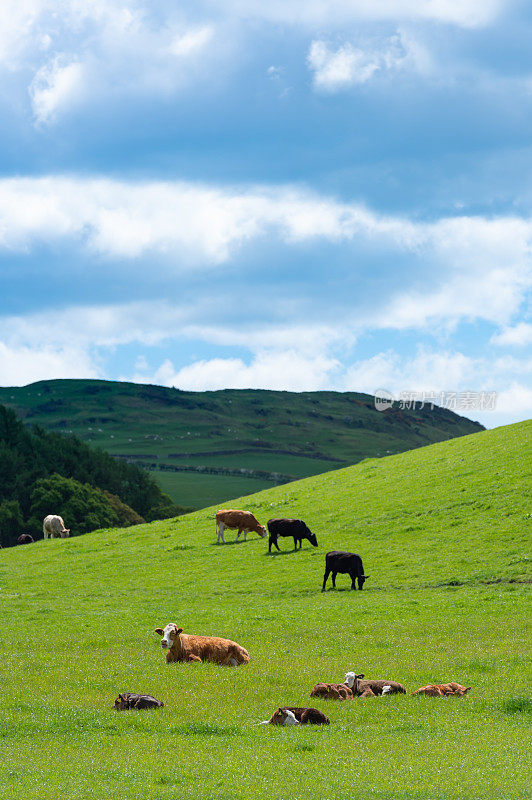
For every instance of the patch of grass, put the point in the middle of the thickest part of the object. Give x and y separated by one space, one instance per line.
517 705
78 619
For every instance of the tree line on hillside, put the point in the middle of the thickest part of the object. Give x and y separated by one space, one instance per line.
48 473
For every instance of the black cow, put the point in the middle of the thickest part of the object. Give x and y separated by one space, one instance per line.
289 527
339 561
130 700
25 538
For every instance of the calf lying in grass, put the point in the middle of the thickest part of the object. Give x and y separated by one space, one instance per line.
129 700
368 688
443 690
332 691
297 716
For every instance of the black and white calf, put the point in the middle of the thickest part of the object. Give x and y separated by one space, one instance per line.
295 528
339 561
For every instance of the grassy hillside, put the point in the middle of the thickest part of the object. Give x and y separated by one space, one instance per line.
204 447
444 533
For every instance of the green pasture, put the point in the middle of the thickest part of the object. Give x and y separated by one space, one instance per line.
444 533
294 433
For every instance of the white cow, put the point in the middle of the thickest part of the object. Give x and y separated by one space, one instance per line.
53 527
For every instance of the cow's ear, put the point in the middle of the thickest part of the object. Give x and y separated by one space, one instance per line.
159 631
179 630
359 676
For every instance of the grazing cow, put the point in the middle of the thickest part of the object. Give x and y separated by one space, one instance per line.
332 691
289 527
443 690
368 688
128 700
25 538
243 521
339 561
288 715
188 647
53 527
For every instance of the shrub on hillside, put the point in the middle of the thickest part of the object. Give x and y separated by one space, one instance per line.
11 522
126 514
82 507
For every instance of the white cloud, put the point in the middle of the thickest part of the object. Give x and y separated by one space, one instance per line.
287 370
430 371
192 40
347 65
519 335
473 267
336 13
55 87
27 363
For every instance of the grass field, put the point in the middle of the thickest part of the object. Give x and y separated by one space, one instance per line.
444 533
296 434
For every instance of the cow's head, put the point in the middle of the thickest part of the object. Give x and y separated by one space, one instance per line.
262 531
283 716
312 538
121 703
462 692
361 580
169 635
351 681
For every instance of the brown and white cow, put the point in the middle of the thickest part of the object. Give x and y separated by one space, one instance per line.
243 521
181 646
53 527
290 715
372 688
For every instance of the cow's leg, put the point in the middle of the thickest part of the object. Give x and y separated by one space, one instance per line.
192 657
334 579
295 542
273 540
220 529
353 581
327 572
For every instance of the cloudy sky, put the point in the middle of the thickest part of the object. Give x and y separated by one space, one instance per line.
293 194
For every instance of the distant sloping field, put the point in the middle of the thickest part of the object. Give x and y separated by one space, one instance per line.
204 447
444 532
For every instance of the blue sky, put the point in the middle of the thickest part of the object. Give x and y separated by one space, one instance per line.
297 195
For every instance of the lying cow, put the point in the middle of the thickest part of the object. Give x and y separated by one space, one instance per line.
332 691
443 690
53 527
368 688
243 521
295 528
297 716
25 538
339 561
188 647
129 700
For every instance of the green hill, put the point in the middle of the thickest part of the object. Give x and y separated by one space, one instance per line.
444 532
204 447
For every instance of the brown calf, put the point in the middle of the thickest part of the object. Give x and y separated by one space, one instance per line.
332 691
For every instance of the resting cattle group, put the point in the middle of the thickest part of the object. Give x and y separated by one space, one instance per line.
183 647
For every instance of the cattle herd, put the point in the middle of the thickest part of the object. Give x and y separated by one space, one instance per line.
181 647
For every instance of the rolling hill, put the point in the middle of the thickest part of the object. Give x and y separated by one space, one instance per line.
204 447
444 532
